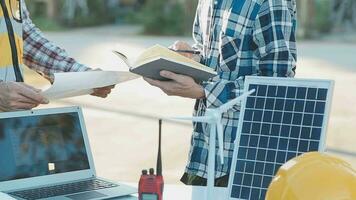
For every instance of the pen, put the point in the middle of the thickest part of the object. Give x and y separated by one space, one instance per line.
186 51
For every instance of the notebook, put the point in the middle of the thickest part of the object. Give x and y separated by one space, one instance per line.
158 58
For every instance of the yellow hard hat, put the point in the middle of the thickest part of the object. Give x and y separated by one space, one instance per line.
314 176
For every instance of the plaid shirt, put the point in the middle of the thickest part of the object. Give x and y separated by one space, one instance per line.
238 38
42 55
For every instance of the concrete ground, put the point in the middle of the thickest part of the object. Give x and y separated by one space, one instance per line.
123 128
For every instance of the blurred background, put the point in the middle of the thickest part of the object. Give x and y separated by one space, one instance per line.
123 128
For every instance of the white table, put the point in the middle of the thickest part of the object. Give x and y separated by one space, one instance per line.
171 192
182 192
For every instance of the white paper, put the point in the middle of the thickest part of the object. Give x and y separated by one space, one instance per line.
71 84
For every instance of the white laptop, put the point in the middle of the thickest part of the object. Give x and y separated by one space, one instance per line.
45 154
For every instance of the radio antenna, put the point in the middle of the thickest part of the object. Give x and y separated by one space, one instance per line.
159 158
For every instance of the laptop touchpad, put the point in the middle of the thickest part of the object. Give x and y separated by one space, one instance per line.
86 195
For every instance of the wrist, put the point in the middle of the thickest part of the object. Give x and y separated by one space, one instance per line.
200 92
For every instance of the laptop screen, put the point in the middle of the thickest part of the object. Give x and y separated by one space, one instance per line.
41 145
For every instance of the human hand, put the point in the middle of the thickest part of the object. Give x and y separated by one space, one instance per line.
104 91
19 96
180 85
180 45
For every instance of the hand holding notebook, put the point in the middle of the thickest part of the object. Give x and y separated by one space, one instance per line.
157 58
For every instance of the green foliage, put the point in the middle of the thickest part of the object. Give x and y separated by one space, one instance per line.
98 14
322 16
162 17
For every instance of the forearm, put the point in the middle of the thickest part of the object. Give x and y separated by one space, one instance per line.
42 55
221 91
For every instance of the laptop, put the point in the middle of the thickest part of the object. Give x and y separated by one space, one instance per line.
45 154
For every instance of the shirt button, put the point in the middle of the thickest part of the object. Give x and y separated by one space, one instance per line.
216 2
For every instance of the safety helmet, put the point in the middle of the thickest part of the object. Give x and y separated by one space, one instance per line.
314 176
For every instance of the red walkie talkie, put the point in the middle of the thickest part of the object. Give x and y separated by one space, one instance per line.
150 186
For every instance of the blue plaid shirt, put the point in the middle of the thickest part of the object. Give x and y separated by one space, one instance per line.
238 38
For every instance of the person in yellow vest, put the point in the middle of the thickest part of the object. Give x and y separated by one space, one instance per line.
22 43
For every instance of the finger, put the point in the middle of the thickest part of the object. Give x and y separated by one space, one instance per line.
32 88
152 82
31 94
102 91
22 106
170 75
100 95
17 97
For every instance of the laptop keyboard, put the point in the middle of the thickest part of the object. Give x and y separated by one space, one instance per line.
65 189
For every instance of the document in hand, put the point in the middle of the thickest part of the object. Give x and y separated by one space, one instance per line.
158 58
71 84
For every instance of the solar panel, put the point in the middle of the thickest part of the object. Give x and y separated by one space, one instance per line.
284 118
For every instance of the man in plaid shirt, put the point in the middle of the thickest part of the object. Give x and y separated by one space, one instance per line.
237 38
41 55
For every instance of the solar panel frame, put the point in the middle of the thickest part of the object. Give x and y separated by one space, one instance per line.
314 134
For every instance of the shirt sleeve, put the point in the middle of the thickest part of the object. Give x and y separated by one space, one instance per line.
197 33
274 35
42 55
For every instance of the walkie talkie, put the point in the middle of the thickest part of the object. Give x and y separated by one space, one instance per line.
150 186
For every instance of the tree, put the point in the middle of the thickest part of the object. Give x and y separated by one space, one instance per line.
344 15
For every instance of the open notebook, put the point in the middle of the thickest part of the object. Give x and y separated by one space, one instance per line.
158 58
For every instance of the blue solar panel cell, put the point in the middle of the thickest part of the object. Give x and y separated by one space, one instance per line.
260 103
281 156
265 130
318 120
245 192
246 128
312 93
248 115
283 144
251 153
253 141
273 142
301 93
291 92
271 155
309 106
320 107
287 118
297 119
281 91
307 119
295 132
275 129
303 144
299 106
250 102
322 94
280 121
279 104
261 154
262 90
272 91
270 104
257 115
256 128
263 142
314 146
316 133
277 117
267 116
289 105
285 130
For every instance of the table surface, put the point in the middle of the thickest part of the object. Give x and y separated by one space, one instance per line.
171 192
